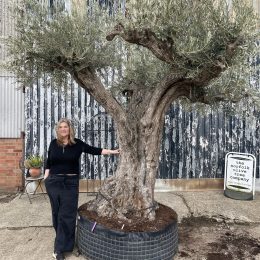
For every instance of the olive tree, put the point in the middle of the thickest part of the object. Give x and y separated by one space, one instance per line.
158 51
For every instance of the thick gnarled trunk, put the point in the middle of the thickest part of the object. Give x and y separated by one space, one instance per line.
129 194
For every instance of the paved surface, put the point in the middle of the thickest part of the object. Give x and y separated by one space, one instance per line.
26 232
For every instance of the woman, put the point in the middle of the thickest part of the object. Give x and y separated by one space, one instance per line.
62 183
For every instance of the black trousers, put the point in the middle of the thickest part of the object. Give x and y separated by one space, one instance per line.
63 192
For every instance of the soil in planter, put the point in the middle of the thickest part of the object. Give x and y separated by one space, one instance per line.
164 217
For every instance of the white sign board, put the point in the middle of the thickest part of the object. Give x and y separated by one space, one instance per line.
240 172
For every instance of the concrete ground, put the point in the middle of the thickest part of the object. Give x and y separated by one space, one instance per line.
27 234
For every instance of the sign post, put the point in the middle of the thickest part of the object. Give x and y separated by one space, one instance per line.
240 171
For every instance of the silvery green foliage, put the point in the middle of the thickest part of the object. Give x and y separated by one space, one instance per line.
46 39
198 32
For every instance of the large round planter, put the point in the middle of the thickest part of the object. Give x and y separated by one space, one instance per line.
106 244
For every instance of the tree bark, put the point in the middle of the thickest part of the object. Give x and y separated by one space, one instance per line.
129 194
89 81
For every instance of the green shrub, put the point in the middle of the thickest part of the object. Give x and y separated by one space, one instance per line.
33 161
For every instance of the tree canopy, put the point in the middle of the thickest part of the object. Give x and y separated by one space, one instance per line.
155 39
152 53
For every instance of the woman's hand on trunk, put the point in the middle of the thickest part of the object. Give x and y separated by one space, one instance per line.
110 152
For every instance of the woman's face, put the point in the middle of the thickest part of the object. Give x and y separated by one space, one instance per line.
64 130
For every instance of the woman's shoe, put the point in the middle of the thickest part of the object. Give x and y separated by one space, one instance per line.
58 256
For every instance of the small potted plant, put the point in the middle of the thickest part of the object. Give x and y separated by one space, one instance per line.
34 163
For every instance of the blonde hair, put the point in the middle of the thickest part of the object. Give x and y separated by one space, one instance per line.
71 131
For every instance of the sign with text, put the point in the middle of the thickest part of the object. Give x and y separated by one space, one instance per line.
240 174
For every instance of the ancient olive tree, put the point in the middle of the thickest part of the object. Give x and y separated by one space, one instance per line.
158 51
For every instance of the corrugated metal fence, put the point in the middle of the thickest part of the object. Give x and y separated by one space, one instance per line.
45 106
11 108
194 146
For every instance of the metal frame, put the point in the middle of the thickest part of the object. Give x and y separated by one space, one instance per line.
29 180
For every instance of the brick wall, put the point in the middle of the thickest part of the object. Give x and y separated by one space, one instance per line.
11 151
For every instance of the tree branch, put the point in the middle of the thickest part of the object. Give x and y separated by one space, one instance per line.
167 89
88 80
173 93
209 72
170 82
58 62
163 50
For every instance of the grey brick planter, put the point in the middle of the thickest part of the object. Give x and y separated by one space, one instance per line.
106 244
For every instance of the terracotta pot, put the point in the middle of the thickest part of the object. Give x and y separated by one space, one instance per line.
35 172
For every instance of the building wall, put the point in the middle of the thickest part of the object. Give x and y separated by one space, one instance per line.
11 112
11 151
11 108
11 130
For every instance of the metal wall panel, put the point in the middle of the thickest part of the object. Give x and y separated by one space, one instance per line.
193 145
11 108
11 99
45 106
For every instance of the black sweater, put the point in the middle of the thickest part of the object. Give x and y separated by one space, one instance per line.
65 159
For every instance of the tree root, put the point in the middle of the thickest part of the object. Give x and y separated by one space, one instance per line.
117 199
